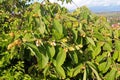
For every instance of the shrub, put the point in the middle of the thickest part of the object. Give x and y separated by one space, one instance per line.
46 41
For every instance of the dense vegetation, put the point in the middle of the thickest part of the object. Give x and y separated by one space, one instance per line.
46 41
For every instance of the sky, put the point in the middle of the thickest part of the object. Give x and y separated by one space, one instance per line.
89 3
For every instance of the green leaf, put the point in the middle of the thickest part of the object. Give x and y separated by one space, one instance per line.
51 51
39 26
68 24
61 56
117 74
108 64
58 26
42 28
74 57
1 1
28 37
75 34
71 18
105 65
94 70
56 35
111 75
54 62
45 20
99 36
57 30
85 75
42 59
90 40
45 72
77 70
96 73
102 66
107 47
117 45
101 57
37 22
36 9
60 71
96 51
91 64
118 56
116 34
115 55
33 48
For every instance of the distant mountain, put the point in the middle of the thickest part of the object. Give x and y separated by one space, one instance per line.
105 8
98 9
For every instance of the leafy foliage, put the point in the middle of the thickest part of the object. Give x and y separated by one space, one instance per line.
46 41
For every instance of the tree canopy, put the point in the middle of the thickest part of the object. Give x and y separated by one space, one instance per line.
46 41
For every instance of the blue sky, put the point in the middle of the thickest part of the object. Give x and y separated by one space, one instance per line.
91 3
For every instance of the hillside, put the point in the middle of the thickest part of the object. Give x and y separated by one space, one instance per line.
113 17
109 14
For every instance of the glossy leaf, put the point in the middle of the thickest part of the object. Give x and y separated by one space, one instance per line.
58 26
57 35
96 51
99 36
118 56
85 75
61 56
111 75
115 55
101 57
77 70
117 45
42 59
107 47
60 71
94 70
28 37
75 34
33 48
45 72
90 40
74 57
105 66
51 51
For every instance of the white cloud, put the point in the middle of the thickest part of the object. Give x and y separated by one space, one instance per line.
89 3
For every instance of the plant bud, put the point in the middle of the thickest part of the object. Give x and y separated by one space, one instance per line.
65 49
71 49
77 47
52 43
84 35
35 15
17 42
80 46
10 46
25 31
11 34
38 42
64 40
